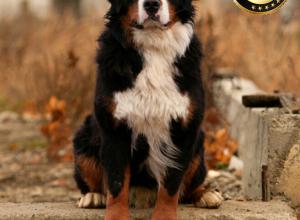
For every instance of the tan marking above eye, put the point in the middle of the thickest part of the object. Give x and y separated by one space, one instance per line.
131 16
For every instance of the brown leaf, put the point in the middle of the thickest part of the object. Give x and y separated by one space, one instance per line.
58 131
219 147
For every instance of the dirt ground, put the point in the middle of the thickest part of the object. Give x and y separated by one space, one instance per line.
27 176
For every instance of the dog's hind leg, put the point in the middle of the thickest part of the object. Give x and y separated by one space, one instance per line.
89 180
194 191
88 169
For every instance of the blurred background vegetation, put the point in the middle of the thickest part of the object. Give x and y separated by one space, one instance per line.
47 63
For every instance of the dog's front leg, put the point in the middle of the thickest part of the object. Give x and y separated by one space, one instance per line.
168 194
166 205
115 157
183 137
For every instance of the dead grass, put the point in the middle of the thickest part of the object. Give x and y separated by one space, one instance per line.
262 48
49 58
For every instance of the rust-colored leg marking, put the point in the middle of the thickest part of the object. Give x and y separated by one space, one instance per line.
190 173
117 208
166 206
200 196
92 173
188 193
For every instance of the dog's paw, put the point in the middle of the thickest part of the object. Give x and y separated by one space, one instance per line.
210 199
92 200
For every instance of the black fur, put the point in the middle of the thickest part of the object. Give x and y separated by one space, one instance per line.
108 141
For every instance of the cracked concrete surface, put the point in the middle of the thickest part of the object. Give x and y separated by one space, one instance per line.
230 210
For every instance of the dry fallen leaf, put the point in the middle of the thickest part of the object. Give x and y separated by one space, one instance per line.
58 131
220 147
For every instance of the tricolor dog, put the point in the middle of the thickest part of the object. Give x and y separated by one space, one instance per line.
143 144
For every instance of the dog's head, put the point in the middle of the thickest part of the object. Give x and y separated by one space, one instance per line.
151 13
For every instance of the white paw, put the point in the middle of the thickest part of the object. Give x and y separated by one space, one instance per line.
92 200
210 199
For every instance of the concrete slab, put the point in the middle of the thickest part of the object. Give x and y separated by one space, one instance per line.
230 210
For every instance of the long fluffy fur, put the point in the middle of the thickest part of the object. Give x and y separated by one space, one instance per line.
149 104
155 98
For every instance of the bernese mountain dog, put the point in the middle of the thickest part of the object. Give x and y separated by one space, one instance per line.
143 144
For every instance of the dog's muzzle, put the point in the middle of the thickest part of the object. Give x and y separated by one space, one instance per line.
151 7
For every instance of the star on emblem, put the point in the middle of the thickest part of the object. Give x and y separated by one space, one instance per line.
253 7
259 8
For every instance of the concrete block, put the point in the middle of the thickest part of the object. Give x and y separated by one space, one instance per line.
247 127
267 138
230 210
284 156
287 184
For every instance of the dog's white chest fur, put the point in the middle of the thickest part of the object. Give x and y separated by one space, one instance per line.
155 99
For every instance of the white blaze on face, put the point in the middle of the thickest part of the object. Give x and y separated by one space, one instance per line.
163 13
142 13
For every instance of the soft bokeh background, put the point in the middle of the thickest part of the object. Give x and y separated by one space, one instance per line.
47 79
48 47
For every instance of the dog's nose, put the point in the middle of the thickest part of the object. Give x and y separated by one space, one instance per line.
152 6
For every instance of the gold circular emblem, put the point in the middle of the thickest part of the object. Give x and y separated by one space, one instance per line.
260 6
